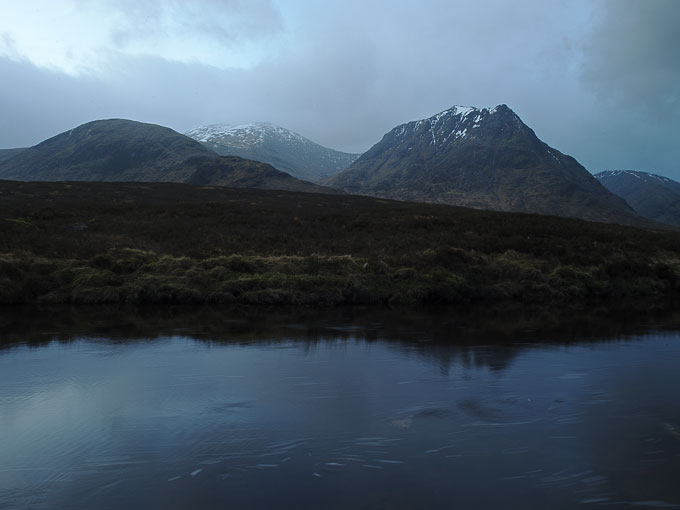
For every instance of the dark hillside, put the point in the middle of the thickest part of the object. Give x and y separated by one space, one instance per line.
6 154
164 242
237 172
124 150
106 150
653 196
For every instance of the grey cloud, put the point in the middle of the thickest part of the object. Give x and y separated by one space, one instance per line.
354 71
224 22
8 46
632 57
631 63
38 103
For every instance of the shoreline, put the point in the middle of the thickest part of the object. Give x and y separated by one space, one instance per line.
130 276
427 327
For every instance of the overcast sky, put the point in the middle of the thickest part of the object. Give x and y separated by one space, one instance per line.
596 79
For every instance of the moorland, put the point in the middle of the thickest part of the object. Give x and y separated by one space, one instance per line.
104 242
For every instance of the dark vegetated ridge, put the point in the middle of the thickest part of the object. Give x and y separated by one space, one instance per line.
161 242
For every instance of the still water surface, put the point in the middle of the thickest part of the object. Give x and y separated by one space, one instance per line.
338 414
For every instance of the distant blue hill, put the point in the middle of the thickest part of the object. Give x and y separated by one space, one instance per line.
653 196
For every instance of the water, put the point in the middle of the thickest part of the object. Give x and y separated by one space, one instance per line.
306 411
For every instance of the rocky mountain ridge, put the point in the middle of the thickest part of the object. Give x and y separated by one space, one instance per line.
484 158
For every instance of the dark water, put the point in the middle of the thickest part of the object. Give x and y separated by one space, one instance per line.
375 410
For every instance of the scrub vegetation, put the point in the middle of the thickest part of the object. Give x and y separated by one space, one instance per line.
87 242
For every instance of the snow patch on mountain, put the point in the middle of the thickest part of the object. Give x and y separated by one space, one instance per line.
253 133
280 147
612 173
633 173
455 123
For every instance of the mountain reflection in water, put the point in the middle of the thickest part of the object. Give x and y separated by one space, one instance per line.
368 408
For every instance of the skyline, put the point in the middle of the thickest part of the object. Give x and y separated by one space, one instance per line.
596 80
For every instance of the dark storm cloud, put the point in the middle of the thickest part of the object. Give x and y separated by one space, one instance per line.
41 103
633 56
348 73
36 103
631 63
359 75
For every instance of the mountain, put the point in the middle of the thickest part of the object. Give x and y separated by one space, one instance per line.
236 172
5 154
482 158
281 148
125 150
652 196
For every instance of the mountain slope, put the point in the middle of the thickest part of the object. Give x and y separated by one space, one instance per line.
125 150
652 196
482 158
6 154
236 172
281 148
105 150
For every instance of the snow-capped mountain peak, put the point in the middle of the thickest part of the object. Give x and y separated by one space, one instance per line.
632 173
280 147
206 133
483 158
243 134
456 123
